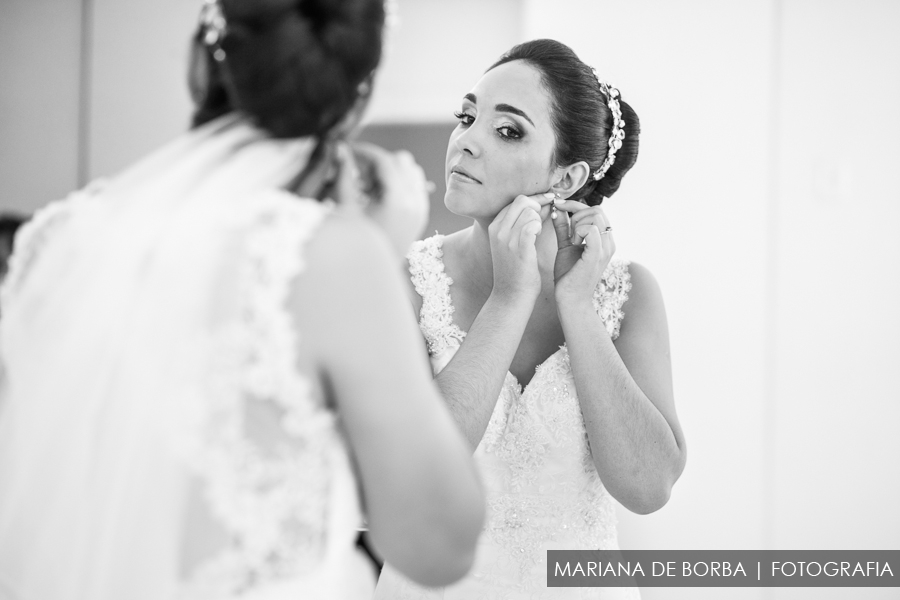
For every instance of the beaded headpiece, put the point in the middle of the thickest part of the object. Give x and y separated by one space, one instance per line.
618 130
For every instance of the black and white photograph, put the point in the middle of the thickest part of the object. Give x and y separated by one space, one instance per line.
449 299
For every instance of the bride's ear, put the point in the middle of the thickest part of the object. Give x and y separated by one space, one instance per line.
571 178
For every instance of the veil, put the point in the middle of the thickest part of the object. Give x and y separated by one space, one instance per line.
108 313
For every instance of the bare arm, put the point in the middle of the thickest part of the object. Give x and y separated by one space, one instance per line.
626 395
473 379
423 497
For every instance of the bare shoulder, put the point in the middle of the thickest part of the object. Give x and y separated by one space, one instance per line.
644 285
346 260
645 312
350 241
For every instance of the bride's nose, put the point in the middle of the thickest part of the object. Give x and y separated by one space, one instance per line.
468 142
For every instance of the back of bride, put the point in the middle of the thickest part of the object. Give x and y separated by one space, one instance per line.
197 403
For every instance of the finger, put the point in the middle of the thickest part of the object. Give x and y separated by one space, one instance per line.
544 199
525 229
561 227
580 231
571 206
526 218
528 233
595 215
593 245
347 185
520 204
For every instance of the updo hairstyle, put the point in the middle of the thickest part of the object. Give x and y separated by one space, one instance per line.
581 118
294 66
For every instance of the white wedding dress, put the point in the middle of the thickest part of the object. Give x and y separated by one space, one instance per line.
157 440
543 492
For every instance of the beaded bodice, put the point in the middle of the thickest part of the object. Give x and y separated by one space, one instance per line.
541 485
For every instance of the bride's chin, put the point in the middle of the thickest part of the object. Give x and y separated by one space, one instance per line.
461 204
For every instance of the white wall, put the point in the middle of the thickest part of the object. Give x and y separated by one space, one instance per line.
40 77
836 475
437 53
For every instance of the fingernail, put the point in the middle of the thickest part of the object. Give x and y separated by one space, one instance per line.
549 195
558 201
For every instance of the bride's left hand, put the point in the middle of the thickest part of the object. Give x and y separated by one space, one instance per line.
585 246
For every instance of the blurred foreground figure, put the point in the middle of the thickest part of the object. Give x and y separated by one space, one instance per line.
208 367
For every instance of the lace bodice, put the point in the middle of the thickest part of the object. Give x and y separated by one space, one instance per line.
542 489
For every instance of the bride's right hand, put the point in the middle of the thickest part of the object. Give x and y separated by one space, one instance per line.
513 233
394 185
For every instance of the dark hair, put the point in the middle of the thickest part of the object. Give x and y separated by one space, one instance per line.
9 225
295 66
580 115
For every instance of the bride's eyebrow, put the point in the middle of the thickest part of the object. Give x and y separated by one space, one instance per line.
512 109
502 108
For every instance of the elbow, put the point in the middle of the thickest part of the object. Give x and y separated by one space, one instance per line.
440 550
656 488
649 501
452 548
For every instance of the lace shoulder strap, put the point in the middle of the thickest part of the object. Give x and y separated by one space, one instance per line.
611 294
34 234
426 269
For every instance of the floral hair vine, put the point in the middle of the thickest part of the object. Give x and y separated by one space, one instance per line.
618 130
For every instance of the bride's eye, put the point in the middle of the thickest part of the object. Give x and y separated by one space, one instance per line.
465 119
509 132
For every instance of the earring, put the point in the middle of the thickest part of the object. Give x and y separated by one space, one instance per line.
553 213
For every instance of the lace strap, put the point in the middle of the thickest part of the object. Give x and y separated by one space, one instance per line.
426 269
611 294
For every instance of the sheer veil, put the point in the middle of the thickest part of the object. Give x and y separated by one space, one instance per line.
113 299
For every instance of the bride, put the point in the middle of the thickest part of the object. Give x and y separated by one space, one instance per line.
552 356
210 374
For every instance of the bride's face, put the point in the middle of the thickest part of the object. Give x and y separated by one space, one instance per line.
503 145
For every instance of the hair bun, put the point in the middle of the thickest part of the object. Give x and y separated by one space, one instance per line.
296 66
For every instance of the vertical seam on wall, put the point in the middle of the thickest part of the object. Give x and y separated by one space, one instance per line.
84 94
770 368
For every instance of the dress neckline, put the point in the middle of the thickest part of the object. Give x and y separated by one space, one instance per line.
458 333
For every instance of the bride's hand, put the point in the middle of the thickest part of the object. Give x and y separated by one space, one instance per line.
390 187
513 233
585 247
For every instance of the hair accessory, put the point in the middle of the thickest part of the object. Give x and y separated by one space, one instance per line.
214 27
618 130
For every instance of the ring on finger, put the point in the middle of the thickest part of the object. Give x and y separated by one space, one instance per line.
607 230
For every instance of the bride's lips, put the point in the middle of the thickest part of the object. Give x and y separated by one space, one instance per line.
463 175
